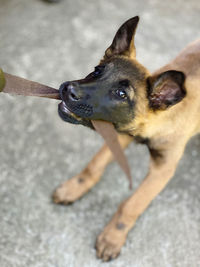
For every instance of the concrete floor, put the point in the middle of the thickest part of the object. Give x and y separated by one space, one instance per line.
52 43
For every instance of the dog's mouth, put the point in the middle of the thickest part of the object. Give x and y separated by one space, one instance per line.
69 116
73 109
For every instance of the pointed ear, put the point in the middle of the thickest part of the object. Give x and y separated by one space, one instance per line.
166 89
123 42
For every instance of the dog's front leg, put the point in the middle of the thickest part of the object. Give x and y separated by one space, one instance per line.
162 168
80 184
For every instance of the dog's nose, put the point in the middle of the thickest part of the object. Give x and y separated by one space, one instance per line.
69 91
73 93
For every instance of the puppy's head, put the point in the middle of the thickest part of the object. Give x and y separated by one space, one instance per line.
120 88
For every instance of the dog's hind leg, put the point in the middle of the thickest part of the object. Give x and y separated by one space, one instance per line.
162 168
79 185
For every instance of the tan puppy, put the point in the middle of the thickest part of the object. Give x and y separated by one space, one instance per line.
161 110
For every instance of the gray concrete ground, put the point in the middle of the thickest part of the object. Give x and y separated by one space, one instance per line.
51 43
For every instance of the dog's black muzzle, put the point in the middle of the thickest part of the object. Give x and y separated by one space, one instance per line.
74 107
75 99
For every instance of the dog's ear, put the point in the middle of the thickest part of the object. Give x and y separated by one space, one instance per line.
123 42
166 89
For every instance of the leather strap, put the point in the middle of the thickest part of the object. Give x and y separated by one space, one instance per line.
108 132
20 86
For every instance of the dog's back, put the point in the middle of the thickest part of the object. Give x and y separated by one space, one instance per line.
188 60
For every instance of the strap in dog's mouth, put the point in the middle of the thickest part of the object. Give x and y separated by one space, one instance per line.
108 132
21 86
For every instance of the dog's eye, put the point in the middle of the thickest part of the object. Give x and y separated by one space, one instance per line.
121 93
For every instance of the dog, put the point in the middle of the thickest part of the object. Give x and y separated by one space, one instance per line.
160 110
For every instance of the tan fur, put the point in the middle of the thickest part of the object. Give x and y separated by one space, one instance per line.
168 132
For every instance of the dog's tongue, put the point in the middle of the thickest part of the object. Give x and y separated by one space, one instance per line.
15 85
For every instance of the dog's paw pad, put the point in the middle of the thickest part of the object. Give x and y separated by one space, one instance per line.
71 190
106 248
60 196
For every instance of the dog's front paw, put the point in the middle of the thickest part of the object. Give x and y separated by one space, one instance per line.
74 188
110 242
70 191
